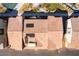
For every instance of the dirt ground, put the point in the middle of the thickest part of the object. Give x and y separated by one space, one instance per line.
60 52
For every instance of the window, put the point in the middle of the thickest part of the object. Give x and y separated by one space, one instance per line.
1 31
29 25
30 35
30 39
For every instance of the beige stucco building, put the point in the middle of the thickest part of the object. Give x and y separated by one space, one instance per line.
35 33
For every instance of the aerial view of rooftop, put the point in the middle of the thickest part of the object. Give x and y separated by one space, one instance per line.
29 29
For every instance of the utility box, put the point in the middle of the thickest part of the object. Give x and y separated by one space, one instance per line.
75 33
15 32
55 32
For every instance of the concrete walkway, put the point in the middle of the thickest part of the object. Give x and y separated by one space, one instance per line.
62 52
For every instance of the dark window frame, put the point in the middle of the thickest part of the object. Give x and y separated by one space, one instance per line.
29 25
30 34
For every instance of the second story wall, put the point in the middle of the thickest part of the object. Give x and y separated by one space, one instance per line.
36 25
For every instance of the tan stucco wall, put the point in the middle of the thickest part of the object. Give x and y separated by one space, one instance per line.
40 25
15 33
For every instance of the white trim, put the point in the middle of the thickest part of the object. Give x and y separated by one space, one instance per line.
69 31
